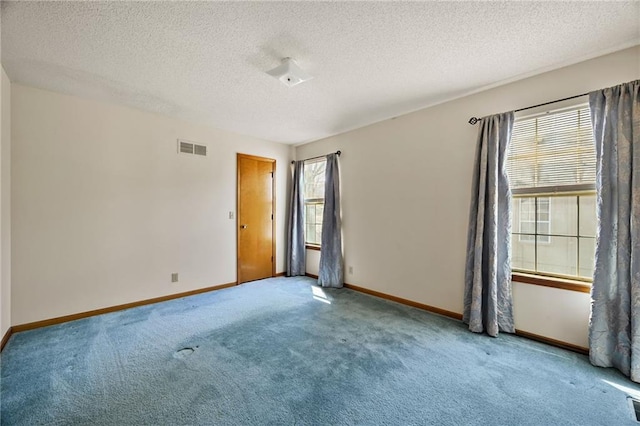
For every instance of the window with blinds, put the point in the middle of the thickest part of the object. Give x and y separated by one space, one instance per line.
552 171
553 153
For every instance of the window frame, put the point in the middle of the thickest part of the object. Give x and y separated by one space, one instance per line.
577 236
566 282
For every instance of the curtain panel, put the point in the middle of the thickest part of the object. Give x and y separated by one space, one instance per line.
296 252
488 304
331 272
614 329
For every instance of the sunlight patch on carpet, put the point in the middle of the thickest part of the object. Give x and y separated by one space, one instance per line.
629 391
320 295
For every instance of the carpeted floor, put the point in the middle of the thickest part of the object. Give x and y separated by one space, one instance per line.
282 351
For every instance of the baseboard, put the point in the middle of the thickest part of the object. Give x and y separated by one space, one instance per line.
280 274
6 338
397 299
407 302
73 317
553 342
455 315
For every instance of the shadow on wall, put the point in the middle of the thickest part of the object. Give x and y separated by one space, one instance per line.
387 108
97 87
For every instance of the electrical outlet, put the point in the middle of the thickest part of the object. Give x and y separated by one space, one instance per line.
174 277
231 215
350 269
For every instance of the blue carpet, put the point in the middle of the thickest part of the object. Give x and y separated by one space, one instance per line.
282 351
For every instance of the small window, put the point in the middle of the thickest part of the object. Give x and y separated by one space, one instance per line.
551 168
314 176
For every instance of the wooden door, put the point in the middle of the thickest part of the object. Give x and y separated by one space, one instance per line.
256 212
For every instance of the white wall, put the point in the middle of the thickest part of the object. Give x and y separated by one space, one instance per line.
104 209
406 188
560 314
5 203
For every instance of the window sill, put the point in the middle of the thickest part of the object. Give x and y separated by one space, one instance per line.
544 281
312 247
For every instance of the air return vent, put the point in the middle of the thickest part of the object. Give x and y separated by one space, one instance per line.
635 408
186 147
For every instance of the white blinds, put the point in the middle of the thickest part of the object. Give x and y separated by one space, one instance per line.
553 153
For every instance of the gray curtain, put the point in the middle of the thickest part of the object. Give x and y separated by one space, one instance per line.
331 262
488 304
296 252
614 329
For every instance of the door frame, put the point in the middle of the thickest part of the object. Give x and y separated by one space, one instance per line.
273 209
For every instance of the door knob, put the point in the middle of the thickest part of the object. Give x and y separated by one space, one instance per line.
243 226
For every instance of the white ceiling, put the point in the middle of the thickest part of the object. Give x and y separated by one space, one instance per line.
206 62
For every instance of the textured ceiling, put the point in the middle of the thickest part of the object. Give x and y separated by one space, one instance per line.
206 62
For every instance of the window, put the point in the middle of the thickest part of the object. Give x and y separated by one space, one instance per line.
552 167
314 171
527 219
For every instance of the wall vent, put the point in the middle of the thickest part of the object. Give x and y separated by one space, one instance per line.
200 150
635 408
186 147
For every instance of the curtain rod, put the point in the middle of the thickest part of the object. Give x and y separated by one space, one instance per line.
474 120
319 156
